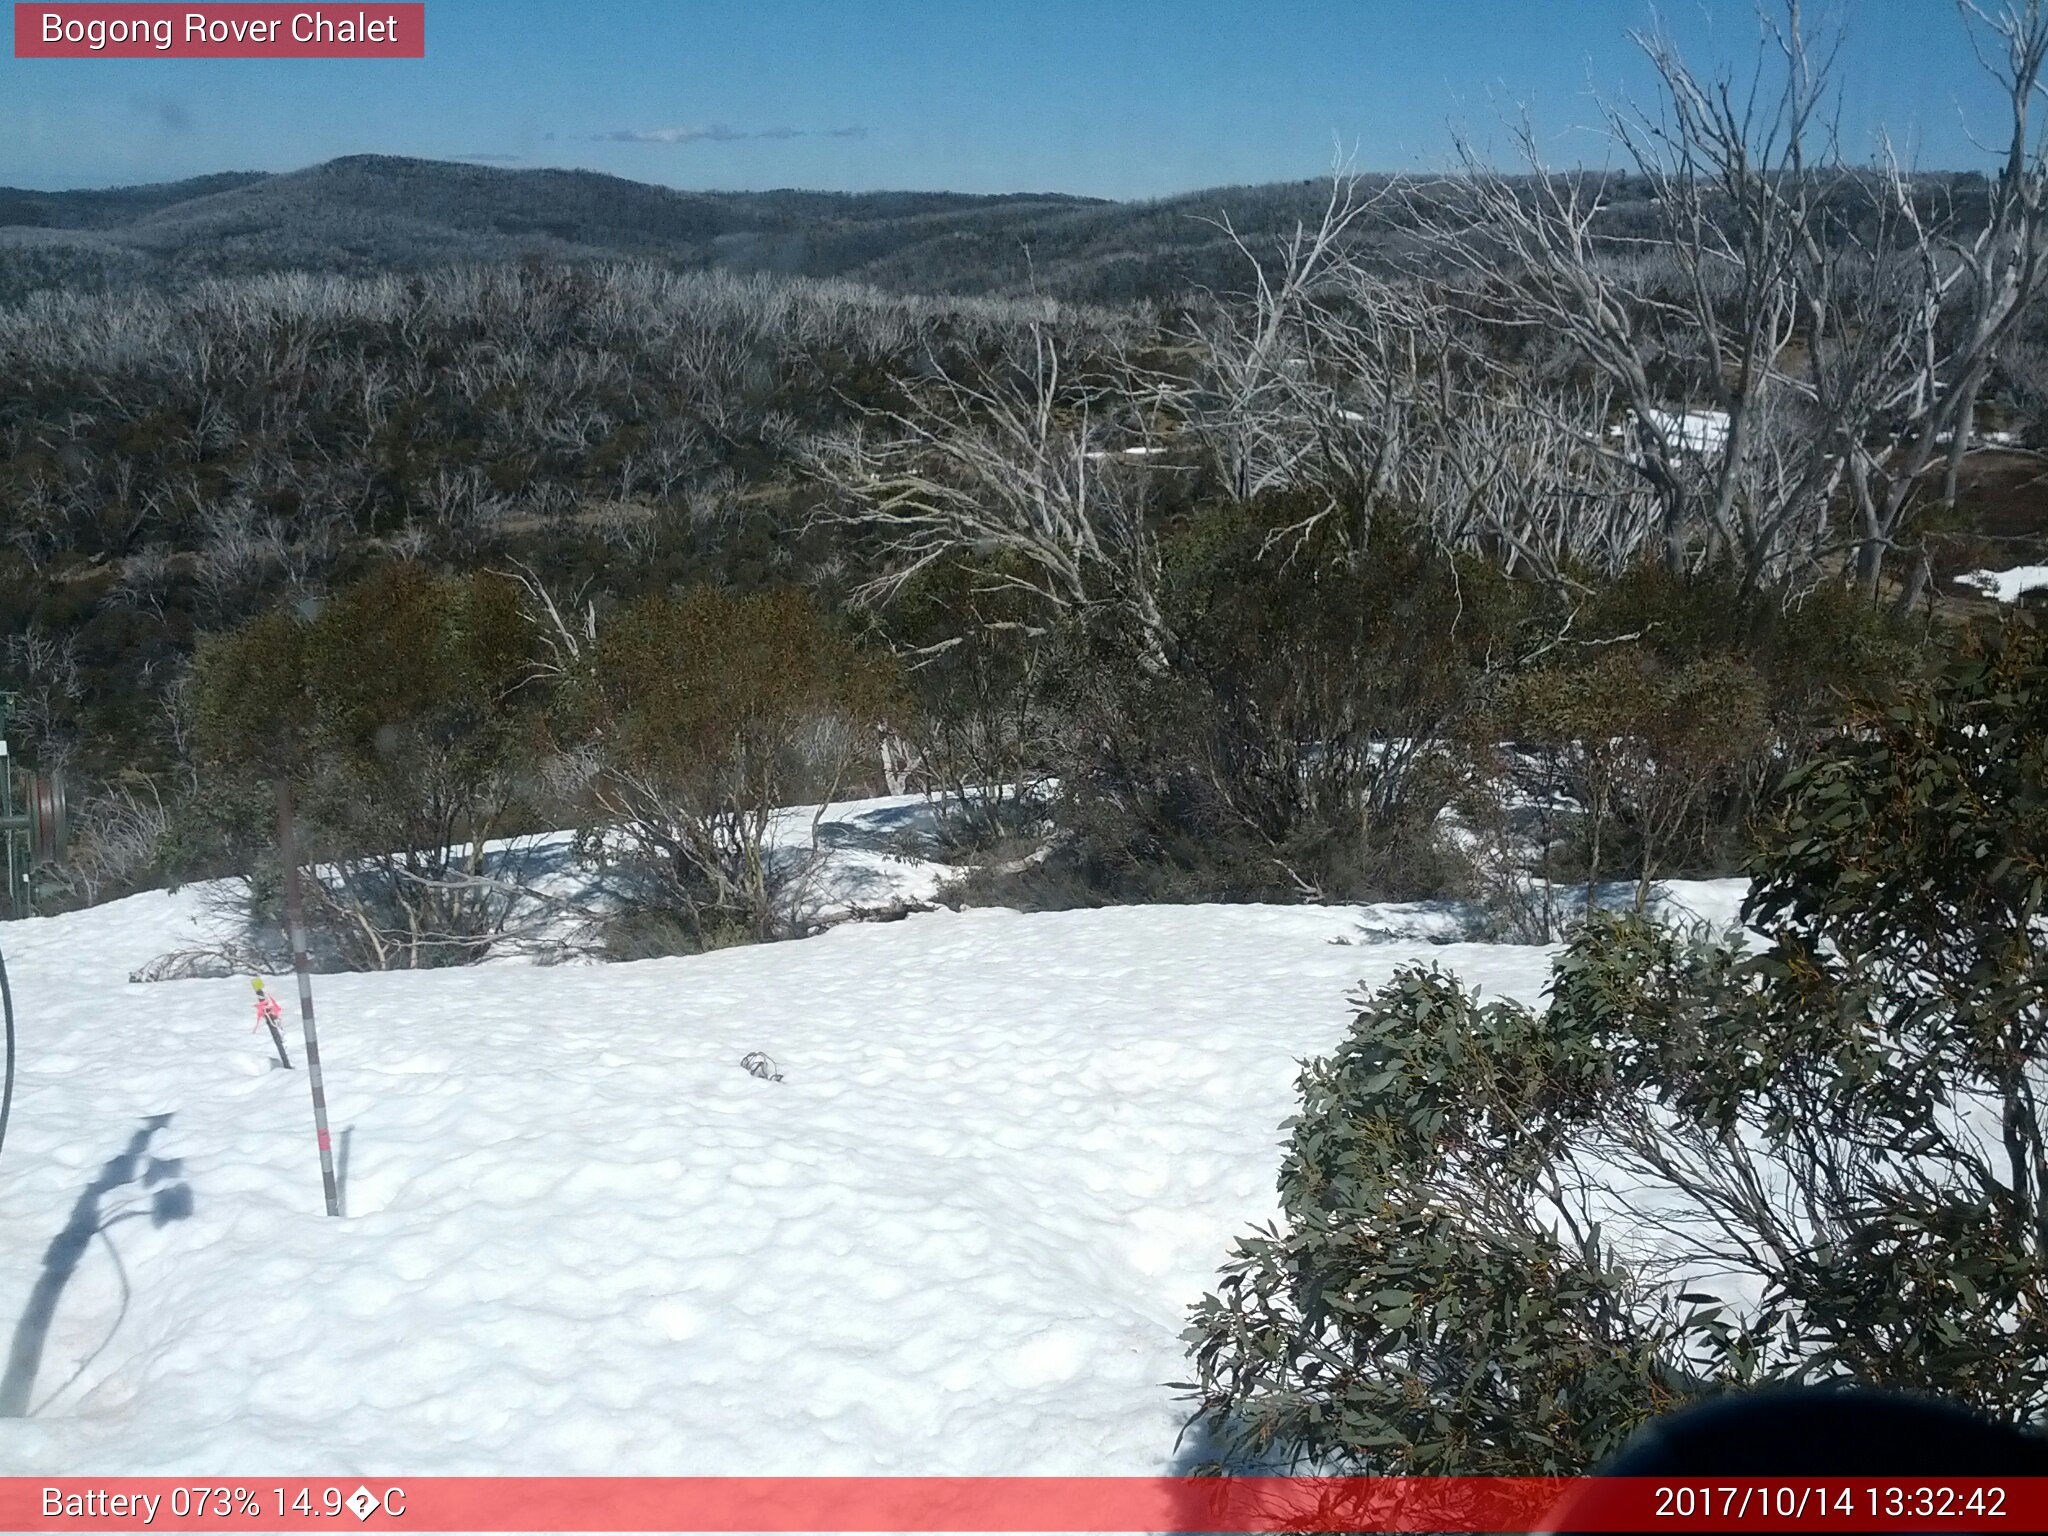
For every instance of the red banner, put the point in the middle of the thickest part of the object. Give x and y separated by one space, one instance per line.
220 31
1083 1504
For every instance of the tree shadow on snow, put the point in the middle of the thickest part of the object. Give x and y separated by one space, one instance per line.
911 829
1202 1454
1298 1500
167 1202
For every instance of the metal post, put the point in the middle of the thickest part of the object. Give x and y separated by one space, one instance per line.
14 904
302 964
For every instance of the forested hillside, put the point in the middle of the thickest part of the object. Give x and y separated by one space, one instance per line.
369 214
378 213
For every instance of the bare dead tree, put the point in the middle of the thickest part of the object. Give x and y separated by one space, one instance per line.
145 578
1370 391
1004 469
1269 406
1668 354
1524 476
565 630
43 673
1794 328
1973 292
117 841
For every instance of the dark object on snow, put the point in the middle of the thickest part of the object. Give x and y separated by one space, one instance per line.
1828 1432
762 1065
894 912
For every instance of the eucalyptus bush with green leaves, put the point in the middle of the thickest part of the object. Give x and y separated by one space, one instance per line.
1416 1310
1510 1235
1901 882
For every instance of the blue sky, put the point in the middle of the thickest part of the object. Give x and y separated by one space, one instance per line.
1111 98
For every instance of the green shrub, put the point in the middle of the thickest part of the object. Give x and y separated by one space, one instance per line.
404 714
1508 1236
1416 1311
977 664
1901 881
1814 651
1296 740
706 713
1660 762
1645 721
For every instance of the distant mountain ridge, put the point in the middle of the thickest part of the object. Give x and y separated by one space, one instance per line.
111 206
380 213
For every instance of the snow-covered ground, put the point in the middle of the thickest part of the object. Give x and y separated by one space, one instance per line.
959 1236
2006 586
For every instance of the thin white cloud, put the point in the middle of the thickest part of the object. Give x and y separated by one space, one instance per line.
718 133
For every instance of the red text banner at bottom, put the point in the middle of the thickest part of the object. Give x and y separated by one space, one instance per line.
1082 1504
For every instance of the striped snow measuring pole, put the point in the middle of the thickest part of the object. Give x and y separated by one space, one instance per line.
301 963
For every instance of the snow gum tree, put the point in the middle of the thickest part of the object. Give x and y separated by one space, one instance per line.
1835 324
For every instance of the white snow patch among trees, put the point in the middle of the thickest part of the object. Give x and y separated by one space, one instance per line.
2006 586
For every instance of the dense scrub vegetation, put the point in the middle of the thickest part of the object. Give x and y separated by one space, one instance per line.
174 465
368 215
1275 632
703 718
399 712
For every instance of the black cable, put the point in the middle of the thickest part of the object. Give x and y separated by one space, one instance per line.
7 1093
